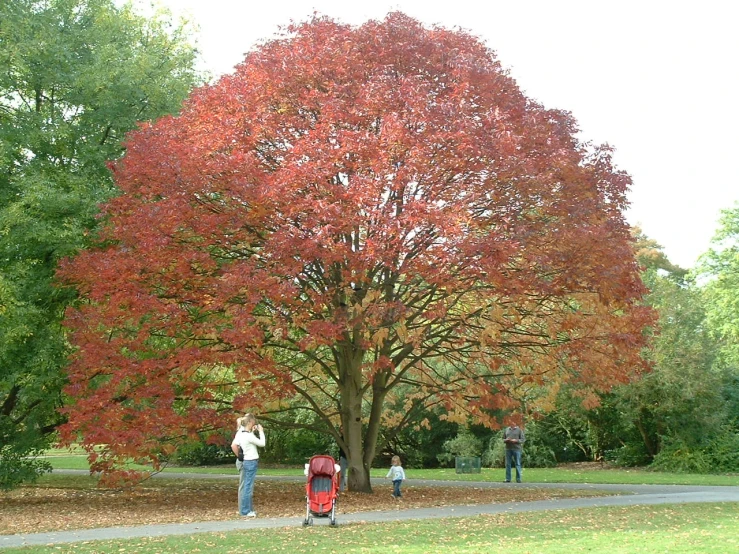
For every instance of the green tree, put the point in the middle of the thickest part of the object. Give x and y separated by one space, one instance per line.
681 397
574 433
719 271
75 76
680 407
671 412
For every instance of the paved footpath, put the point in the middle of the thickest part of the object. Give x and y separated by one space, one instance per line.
628 495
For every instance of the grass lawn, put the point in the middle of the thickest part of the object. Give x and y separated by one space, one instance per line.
630 476
664 528
639 529
63 459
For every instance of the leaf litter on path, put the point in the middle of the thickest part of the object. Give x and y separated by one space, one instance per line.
37 509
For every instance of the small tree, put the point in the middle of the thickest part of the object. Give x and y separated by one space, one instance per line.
678 415
464 444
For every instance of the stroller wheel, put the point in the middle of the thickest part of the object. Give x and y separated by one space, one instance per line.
332 523
310 521
305 523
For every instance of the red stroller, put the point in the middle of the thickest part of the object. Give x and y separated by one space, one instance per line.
321 489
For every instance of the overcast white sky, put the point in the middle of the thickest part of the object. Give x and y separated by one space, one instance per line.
656 79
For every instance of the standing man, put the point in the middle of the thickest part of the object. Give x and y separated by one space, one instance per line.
514 438
244 446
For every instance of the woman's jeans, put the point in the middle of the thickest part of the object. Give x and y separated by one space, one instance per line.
247 474
512 456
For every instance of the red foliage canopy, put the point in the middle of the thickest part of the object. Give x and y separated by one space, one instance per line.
358 221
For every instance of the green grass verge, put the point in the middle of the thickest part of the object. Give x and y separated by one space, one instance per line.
567 475
678 529
62 460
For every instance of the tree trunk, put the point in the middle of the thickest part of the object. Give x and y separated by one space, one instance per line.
359 478
648 443
362 443
359 474
349 362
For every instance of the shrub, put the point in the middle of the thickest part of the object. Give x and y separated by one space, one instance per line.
494 455
296 446
720 454
723 451
538 455
631 454
678 457
20 466
199 453
464 444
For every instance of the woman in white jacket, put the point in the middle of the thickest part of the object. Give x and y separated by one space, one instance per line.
244 446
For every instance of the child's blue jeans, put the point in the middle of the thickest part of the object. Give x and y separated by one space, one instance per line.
396 488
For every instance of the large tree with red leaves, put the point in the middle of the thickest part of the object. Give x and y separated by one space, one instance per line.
359 221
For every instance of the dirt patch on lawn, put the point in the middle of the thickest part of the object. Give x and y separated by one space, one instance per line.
587 466
38 509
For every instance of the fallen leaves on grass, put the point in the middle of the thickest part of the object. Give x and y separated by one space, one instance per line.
39 509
